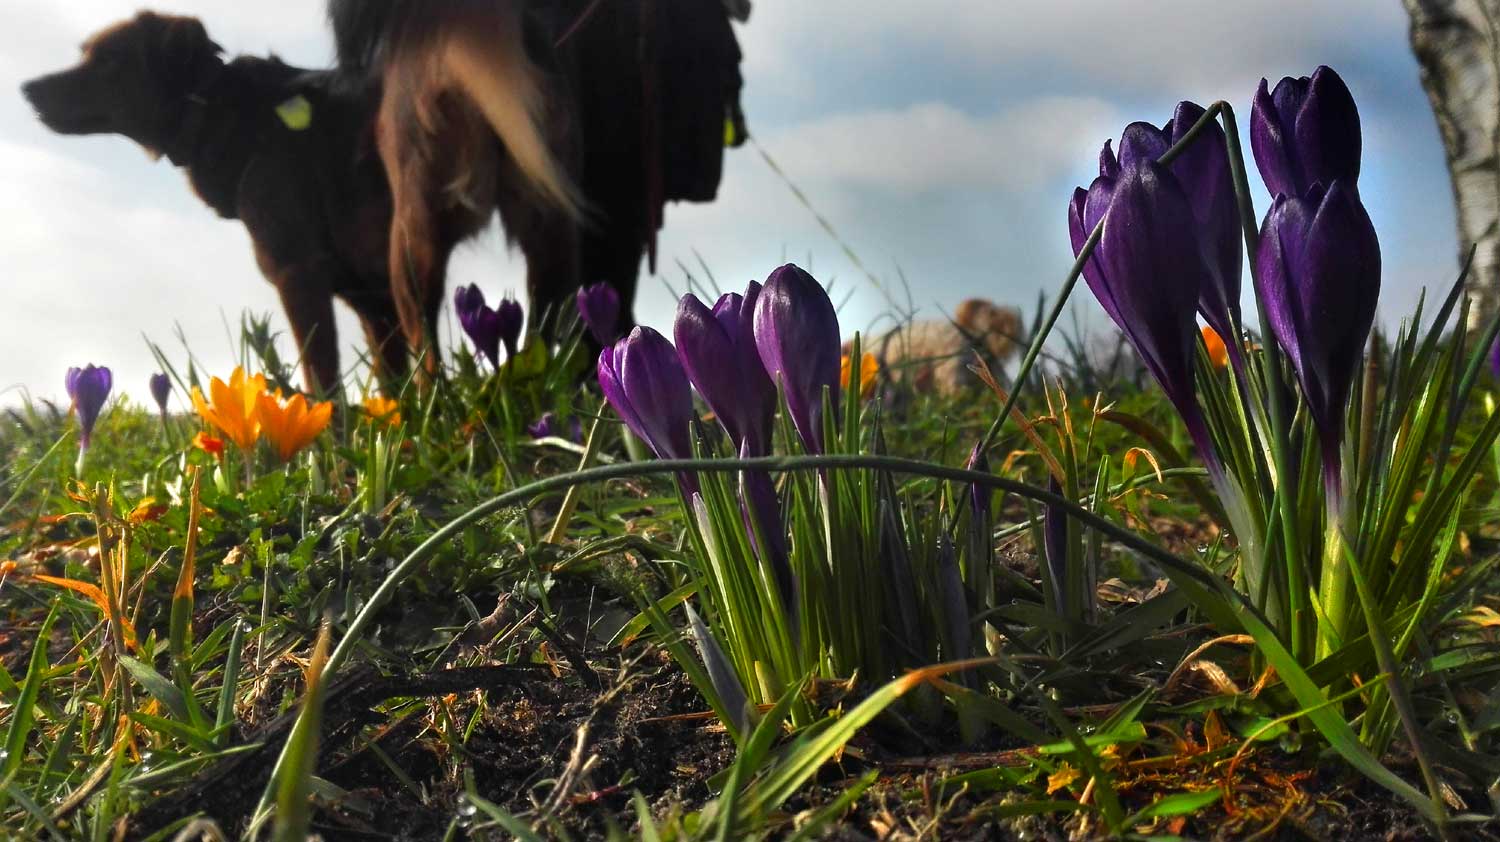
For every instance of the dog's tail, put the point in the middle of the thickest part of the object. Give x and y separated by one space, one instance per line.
474 46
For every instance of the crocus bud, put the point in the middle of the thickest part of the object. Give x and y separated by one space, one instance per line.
599 307
1055 544
797 335
481 323
980 496
89 388
161 389
717 348
644 382
1148 272
509 318
1202 170
1305 132
1318 271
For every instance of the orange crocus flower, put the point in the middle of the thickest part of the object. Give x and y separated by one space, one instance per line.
1218 352
382 410
233 407
290 424
868 368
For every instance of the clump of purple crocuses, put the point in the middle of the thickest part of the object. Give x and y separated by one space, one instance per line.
489 327
1170 249
734 354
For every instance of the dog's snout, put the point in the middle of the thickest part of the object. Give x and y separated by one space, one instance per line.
28 90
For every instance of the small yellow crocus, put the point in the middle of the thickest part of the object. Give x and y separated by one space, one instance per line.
233 408
868 368
291 424
382 410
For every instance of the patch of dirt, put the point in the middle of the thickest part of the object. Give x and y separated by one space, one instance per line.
525 742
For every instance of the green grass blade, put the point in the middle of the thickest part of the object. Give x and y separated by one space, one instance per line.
23 714
794 770
295 785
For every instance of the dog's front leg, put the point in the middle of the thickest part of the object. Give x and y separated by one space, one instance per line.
309 307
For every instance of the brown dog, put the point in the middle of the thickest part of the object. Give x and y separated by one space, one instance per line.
935 354
286 151
576 119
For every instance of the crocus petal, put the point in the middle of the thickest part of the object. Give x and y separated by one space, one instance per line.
652 375
1203 170
718 352
797 335
1269 144
614 391
599 307
231 407
644 381
481 323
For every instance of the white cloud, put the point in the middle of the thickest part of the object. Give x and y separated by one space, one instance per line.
1205 43
934 146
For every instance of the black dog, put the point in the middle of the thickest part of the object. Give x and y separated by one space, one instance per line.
288 152
576 119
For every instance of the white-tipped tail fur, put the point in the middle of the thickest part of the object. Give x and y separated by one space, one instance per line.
492 69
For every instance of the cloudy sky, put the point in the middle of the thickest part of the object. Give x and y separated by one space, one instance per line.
941 139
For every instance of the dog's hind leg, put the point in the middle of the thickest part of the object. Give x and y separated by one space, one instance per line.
418 258
387 344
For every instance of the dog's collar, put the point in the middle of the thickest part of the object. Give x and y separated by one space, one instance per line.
179 150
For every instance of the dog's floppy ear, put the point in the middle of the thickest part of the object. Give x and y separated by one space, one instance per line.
180 45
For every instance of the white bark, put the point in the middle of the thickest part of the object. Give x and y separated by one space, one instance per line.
1457 47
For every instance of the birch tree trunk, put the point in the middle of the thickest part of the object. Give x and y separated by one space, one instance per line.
1456 46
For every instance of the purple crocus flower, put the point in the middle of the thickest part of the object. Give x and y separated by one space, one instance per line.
1305 132
797 335
599 307
717 348
1202 170
89 388
644 381
161 389
545 427
550 425
1148 272
479 321
1318 276
509 317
